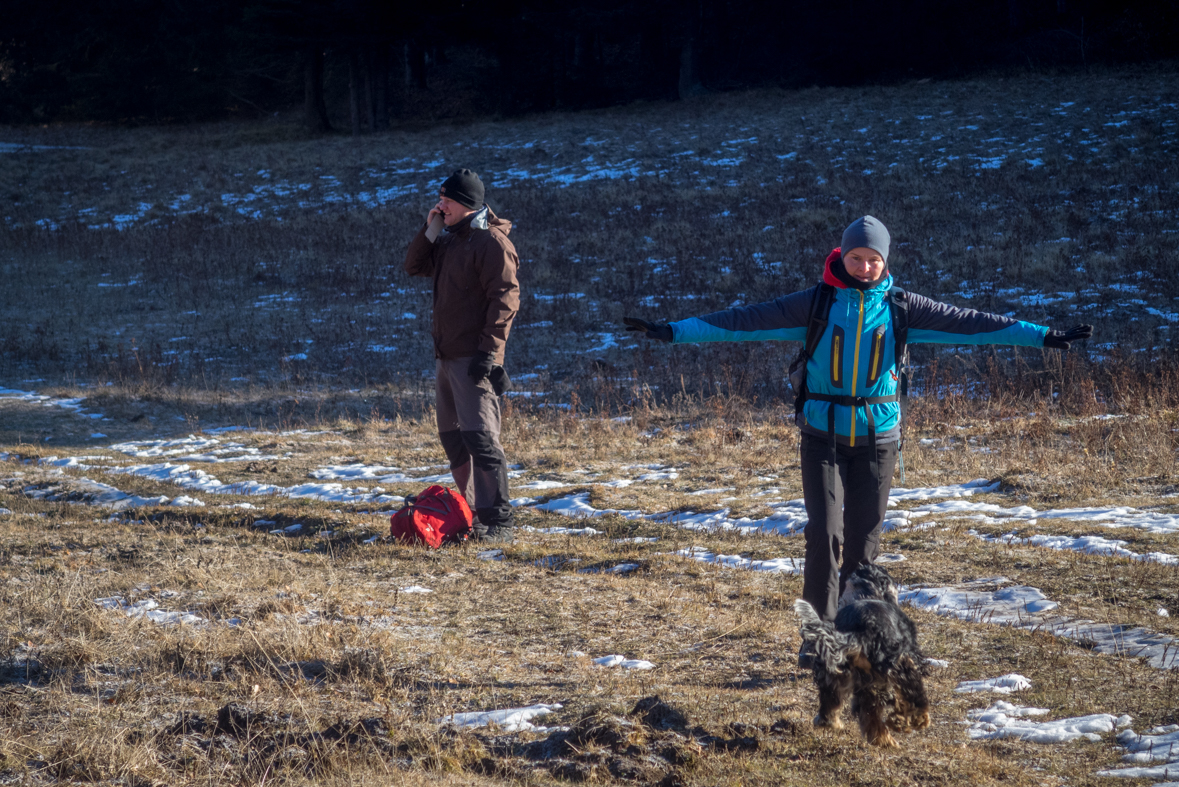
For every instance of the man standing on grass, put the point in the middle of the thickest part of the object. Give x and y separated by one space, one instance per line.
850 414
464 247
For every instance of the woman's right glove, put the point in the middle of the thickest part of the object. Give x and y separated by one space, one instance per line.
660 331
1062 339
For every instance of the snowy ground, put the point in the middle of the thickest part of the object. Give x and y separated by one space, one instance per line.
992 600
179 472
766 182
704 156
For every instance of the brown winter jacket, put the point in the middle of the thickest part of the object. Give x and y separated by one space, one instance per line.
476 293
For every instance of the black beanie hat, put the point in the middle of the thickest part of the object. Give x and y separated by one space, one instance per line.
465 188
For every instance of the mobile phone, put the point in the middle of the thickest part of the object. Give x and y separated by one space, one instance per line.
435 228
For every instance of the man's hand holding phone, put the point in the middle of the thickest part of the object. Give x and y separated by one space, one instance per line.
434 223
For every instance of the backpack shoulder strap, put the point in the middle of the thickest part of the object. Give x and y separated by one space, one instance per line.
898 304
820 312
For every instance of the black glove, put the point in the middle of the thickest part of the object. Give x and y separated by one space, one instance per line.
481 365
1062 339
660 331
500 382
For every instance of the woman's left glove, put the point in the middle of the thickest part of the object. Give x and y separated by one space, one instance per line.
1062 339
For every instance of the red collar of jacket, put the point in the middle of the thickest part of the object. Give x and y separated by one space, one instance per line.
829 276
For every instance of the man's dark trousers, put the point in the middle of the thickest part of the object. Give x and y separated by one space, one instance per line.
468 427
844 520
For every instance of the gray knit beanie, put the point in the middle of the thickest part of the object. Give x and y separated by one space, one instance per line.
867 232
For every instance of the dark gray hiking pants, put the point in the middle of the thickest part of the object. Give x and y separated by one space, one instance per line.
844 520
468 426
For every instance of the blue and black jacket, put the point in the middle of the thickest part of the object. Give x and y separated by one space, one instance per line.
855 356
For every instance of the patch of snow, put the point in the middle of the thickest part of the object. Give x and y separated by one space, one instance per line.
780 565
148 609
1004 720
1025 607
621 568
624 662
541 484
93 493
578 507
378 473
562 531
190 478
1005 684
976 487
508 719
1112 517
1092 545
1012 606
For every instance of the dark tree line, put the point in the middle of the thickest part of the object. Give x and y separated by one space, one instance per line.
361 64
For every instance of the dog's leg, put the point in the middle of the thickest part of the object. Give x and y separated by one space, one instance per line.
870 713
912 703
833 693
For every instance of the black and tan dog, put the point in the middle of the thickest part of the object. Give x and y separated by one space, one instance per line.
869 653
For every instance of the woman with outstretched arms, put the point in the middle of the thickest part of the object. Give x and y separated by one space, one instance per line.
850 413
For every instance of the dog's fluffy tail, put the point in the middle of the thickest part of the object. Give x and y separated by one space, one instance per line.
831 647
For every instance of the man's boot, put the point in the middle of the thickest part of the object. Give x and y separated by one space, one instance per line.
478 529
500 525
499 535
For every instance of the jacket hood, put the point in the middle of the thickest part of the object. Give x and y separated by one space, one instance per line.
503 225
481 219
830 276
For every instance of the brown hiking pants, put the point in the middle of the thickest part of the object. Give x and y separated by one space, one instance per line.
468 427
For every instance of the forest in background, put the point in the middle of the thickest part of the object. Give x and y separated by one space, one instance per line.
360 65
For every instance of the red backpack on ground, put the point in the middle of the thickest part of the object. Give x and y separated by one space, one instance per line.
433 516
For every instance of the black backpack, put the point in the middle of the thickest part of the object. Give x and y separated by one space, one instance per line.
898 305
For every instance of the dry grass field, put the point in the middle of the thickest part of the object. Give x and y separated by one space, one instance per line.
186 604
309 658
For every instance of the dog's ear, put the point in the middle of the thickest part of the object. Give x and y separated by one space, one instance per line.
886 586
909 684
920 665
907 666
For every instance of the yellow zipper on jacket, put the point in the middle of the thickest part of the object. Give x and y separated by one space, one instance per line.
877 351
856 371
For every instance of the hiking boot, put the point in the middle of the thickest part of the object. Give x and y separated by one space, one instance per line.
806 656
498 535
